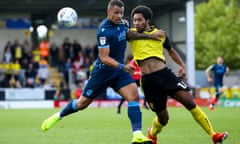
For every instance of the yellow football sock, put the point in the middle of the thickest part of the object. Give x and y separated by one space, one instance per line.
156 127
202 119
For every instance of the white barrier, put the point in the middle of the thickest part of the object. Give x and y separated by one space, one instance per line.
24 94
26 104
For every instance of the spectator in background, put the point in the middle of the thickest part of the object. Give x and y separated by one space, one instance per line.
9 44
18 51
79 61
43 73
35 63
71 53
25 63
6 67
87 63
76 67
26 55
44 49
68 66
3 81
3 78
30 76
26 46
87 50
61 60
219 70
66 47
15 81
53 54
76 47
7 54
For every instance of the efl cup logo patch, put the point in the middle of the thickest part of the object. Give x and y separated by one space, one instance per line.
102 40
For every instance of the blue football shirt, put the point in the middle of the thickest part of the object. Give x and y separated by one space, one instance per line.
112 36
218 72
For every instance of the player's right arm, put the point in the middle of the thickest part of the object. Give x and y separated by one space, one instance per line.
107 60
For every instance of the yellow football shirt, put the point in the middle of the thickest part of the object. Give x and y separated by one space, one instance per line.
145 48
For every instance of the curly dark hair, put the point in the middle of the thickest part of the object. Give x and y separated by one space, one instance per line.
144 10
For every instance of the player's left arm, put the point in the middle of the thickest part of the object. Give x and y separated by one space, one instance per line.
136 35
176 58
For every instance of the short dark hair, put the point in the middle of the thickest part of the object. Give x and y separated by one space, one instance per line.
112 3
144 10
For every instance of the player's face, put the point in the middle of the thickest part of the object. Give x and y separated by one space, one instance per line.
220 60
115 14
139 22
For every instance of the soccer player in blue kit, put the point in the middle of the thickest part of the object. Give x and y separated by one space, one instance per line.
109 71
219 70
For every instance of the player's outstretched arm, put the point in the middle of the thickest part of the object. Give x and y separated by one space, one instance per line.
136 35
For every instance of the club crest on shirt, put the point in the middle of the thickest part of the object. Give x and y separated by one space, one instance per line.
102 40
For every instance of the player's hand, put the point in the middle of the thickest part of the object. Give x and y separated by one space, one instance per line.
161 33
182 73
209 79
125 22
129 68
157 35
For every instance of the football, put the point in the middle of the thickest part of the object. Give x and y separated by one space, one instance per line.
67 17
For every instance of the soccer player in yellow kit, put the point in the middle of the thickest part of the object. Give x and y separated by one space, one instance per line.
159 82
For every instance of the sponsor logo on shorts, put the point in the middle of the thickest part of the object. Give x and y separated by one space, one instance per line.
89 92
182 85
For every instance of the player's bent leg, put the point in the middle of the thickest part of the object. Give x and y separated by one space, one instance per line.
72 107
187 100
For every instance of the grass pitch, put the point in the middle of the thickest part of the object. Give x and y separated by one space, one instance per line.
105 126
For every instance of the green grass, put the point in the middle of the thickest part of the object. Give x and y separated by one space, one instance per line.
104 126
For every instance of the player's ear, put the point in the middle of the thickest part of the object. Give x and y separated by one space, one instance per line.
125 22
148 21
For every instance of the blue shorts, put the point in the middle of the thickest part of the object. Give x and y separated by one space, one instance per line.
217 87
100 79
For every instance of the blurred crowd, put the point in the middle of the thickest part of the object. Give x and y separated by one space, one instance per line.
23 66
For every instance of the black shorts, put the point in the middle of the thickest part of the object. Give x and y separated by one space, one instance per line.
157 86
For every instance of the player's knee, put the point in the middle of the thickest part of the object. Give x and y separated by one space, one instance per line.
81 106
163 121
133 97
190 105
